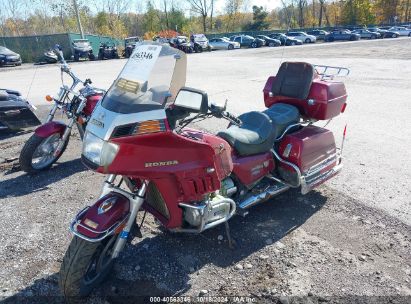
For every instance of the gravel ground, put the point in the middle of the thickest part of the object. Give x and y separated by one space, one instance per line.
347 242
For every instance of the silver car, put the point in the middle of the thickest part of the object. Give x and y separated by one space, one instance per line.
223 44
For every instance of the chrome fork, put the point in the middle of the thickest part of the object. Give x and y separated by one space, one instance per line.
136 201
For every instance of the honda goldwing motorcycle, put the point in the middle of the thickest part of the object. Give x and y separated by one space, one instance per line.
188 179
50 140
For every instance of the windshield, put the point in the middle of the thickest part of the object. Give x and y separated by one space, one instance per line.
150 80
200 37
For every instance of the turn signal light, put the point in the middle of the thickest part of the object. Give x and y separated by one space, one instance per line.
49 98
140 128
149 126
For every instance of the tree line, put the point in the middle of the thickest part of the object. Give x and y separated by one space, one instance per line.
122 18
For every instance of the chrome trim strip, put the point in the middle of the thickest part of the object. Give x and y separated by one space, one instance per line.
105 233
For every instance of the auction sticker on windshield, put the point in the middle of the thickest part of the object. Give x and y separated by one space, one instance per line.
141 62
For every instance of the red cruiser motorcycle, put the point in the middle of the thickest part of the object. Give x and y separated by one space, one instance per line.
50 140
188 179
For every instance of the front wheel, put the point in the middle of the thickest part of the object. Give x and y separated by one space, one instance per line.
38 153
230 47
307 40
85 265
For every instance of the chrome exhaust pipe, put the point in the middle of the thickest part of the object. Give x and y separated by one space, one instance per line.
263 196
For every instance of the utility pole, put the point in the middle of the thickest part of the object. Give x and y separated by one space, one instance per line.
78 19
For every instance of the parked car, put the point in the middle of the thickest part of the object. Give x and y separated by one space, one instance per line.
248 41
384 33
367 34
269 41
285 40
182 43
8 57
200 43
319 34
129 45
223 44
402 30
82 49
15 112
107 50
342 35
302 36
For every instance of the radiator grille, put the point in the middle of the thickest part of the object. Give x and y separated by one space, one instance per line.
155 200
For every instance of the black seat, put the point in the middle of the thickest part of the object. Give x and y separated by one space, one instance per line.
282 115
253 137
294 80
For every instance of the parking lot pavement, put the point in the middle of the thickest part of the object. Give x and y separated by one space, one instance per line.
349 237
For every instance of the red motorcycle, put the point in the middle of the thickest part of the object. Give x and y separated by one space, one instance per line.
188 179
50 140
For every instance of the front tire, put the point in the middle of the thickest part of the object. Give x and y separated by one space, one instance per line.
307 40
254 45
34 147
230 47
85 265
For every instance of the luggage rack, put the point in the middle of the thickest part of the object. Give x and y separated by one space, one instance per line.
329 72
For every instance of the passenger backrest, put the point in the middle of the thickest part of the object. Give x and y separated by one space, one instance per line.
293 80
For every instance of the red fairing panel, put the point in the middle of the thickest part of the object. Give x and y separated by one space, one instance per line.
309 146
50 128
184 169
250 169
117 208
91 103
329 99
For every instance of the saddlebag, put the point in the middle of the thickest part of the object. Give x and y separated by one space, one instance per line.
313 150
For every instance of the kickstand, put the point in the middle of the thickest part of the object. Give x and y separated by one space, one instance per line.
231 241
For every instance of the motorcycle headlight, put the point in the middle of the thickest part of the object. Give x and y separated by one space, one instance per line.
99 151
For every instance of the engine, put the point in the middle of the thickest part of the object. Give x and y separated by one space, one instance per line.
209 213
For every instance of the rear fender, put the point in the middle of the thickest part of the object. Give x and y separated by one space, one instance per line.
107 216
50 128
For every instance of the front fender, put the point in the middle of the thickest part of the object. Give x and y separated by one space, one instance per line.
50 128
107 216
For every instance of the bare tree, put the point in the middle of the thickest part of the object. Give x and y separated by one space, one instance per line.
202 7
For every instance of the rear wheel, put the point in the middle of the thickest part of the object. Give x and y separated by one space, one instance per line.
85 265
409 34
38 153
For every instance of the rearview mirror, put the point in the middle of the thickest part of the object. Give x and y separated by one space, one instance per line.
192 100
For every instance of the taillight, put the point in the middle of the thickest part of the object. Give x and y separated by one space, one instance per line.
343 107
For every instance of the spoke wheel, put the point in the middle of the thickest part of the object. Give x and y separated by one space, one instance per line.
39 153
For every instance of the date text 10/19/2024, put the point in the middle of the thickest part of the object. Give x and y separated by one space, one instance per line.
204 299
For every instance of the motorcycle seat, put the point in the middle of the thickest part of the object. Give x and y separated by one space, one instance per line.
254 136
282 115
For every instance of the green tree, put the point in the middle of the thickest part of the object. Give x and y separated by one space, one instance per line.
259 19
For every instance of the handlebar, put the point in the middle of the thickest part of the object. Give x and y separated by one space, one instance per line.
66 68
220 112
